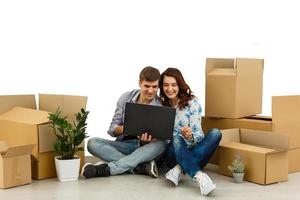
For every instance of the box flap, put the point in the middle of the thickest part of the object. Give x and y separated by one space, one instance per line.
247 147
46 138
3 147
249 63
222 72
18 150
267 139
67 103
213 63
7 102
26 115
230 135
259 117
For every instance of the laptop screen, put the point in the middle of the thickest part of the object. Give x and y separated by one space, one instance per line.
157 121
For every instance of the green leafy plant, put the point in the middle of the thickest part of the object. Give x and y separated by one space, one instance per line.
68 135
237 165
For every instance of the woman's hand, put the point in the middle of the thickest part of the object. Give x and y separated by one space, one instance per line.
187 132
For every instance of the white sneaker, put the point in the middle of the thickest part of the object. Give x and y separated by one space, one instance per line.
205 183
174 175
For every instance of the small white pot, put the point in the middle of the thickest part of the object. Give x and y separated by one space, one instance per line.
67 170
238 177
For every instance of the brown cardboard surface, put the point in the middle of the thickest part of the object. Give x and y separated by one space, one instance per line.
45 167
279 142
265 159
18 151
294 161
67 103
233 87
15 168
16 134
255 122
7 102
46 137
3 147
26 116
286 117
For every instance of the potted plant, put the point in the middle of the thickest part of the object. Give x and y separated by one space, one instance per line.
68 138
237 168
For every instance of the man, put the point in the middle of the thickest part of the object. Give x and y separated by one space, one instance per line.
128 153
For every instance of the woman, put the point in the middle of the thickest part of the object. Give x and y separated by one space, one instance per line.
190 150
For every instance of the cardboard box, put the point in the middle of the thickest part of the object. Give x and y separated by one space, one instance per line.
265 159
15 168
293 160
286 117
233 87
256 122
20 126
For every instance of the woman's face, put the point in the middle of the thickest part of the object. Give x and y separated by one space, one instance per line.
170 87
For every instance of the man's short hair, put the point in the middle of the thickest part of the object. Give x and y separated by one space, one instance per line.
149 74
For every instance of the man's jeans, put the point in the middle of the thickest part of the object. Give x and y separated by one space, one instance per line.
192 159
123 156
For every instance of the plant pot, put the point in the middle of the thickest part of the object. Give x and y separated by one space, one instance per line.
67 170
238 177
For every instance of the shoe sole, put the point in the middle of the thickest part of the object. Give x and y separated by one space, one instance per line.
82 170
172 180
209 190
153 170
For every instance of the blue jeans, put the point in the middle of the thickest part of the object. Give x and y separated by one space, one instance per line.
123 156
192 159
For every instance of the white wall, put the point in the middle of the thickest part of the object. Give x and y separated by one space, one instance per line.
97 48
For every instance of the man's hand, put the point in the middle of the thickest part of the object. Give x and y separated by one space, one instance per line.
146 138
119 130
187 132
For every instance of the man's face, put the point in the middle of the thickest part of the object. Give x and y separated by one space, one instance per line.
148 89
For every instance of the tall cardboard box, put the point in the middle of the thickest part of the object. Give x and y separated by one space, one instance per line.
15 168
14 122
293 160
233 87
286 117
264 154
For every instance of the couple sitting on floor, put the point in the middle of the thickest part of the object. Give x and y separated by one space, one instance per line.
189 150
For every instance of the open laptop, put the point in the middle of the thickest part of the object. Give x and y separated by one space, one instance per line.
157 121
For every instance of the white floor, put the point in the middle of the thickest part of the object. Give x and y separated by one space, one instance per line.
137 187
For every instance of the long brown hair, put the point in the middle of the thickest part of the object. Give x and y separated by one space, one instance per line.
184 94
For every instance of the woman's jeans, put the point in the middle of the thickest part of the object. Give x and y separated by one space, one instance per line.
192 159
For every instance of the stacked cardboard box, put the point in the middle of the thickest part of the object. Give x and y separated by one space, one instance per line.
233 87
233 92
27 125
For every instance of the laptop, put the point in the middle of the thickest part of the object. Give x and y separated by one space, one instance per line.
157 121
